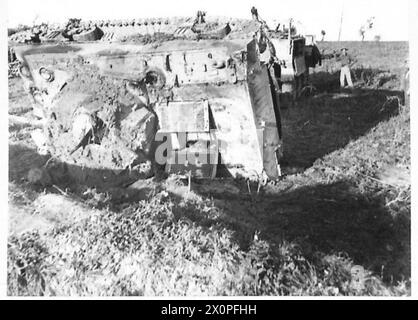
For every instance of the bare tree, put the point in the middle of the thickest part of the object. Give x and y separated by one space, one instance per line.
370 22
366 27
362 32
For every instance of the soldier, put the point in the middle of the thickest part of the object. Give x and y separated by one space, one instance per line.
346 63
254 13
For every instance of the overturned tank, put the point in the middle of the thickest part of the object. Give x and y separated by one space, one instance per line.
125 111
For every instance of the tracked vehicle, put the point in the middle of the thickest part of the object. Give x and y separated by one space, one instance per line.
117 111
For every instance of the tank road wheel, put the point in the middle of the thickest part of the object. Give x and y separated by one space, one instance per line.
154 77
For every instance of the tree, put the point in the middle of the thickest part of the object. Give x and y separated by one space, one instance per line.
377 38
370 22
362 32
367 26
323 33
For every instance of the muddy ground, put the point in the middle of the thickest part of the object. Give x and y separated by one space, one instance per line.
345 191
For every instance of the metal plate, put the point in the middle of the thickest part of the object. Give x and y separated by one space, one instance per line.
184 117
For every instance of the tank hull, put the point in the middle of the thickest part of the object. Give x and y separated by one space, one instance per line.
133 108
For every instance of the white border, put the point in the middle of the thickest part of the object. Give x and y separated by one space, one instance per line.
413 36
4 147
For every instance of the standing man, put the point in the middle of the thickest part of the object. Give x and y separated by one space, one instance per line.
346 63
254 13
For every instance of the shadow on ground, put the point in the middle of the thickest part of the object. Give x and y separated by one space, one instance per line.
321 219
326 122
77 179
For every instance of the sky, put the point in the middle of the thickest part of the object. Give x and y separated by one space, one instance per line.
391 17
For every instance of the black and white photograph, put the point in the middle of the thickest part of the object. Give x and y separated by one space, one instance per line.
207 149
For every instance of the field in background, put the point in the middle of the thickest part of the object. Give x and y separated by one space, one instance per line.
379 65
337 223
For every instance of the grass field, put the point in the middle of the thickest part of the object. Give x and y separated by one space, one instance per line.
337 223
